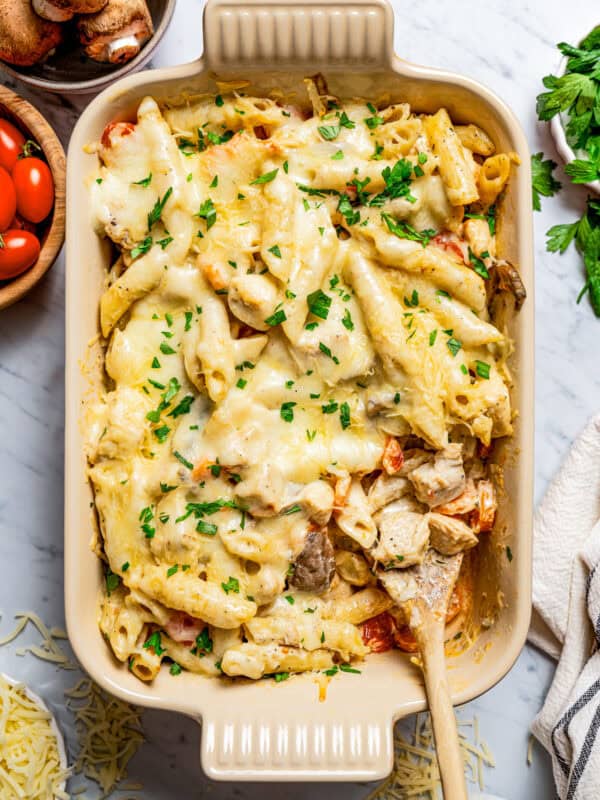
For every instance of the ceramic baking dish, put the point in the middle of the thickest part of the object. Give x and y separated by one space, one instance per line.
282 731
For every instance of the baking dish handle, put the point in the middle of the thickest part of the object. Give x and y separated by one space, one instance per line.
242 34
266 743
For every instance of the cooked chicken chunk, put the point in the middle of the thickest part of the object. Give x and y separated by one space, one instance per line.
316 499
262 490
252 299
448 535
403 538
386 489
441 479
315 566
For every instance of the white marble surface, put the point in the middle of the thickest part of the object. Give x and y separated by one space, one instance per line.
507 45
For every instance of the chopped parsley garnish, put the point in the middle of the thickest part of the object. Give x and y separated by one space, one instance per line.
207 528
482 369
183 460
337 156
350 214
310 326
241 384
145 181
346 122
542 181
155 215
397 398
214 183
403 230
397 182
175 669
232 585
412 301
166 349
266 178
329 132
327 351
345 416
330 407
219 100
322 636
310 435
432 337
290 599
164 242
289 295
453 345
125 566
275 250
153 642
347 321
349 668
172 570
141 247
509 554
319 304
162 433
478 265
208 212
286 411
375 120
188 320
182 407
112 581
203 643
164 487
490 218
276 318
281 676
216 138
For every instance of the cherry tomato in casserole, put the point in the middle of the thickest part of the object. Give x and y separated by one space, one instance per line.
11 142
8 199
34 187
19 250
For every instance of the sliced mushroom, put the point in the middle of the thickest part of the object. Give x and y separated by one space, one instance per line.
315 566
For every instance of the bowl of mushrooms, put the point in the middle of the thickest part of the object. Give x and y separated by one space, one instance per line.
79 46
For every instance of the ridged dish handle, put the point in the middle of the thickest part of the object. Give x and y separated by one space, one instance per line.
287 744
242 34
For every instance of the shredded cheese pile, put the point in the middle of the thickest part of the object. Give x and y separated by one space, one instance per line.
109 733
109 730
416 773
48 649
30 766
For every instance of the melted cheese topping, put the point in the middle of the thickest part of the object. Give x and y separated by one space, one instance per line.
291 291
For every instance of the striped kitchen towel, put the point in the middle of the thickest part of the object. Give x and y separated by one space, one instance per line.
566 617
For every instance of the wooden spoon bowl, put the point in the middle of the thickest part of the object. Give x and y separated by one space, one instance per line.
33 125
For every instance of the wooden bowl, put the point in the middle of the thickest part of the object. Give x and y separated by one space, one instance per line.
33 125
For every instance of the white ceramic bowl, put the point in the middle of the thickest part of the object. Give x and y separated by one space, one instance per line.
558 124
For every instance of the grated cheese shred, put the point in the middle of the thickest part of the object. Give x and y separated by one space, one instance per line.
30 766
108 730
48 649
415 773
109 733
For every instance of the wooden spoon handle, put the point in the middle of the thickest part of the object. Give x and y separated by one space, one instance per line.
452 771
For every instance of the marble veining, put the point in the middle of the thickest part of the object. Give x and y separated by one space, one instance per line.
508 46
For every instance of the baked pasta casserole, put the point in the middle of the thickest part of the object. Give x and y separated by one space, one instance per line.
305 356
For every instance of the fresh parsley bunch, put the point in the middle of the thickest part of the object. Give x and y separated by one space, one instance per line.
577 95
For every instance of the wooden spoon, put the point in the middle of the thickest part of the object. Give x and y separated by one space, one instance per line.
423 593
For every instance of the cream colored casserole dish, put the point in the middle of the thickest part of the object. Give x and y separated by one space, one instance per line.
302 729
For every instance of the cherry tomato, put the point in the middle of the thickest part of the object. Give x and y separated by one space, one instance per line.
8 199
19 250
35 188
11 142
20 224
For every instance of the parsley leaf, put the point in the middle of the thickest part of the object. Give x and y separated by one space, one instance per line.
542 181
329 132
403 230
347 321
232 585
208 212
266 178
144 182
319 304
286 411
155 215
345 416
276 318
